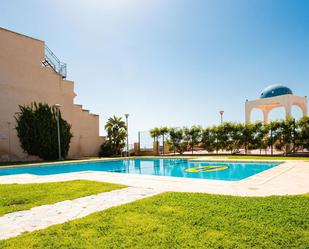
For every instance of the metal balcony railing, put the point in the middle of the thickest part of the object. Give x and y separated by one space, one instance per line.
52 60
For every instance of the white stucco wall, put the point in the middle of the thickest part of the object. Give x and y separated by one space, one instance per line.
23 79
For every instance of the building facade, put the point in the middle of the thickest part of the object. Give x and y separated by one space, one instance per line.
30 72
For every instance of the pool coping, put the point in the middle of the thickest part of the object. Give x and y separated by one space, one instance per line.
65 163
290 177
145 158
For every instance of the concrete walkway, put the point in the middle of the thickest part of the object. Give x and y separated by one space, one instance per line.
14 224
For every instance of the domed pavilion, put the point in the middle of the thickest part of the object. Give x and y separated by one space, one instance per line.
275 96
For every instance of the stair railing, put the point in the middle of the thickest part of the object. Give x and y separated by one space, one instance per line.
58 66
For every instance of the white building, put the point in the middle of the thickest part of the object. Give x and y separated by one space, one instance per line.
275 96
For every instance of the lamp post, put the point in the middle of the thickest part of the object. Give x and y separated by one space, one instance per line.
221 114
58 129
271 141
127 124
294 134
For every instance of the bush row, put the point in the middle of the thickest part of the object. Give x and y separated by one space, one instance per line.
283 135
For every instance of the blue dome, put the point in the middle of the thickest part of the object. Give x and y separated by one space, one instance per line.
275 90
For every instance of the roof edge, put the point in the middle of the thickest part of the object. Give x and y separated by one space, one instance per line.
7 30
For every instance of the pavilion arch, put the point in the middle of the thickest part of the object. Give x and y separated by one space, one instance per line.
297 112
256 115
276 113
273 97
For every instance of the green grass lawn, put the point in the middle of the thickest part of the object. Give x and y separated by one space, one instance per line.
267 157
246 157
183 220
16 197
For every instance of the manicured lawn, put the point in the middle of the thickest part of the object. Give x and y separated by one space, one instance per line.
16 197
262 157
183 220
268 157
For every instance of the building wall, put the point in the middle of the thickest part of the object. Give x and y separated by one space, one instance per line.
23 79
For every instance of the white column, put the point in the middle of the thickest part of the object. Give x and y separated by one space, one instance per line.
301 102
248 110
288 110
305 110
265 115
287 103
303 107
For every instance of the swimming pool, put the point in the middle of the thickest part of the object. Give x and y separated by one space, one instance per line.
228 171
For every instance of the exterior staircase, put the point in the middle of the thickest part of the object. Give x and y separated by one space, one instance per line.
52 61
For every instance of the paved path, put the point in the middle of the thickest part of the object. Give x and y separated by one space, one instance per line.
41 217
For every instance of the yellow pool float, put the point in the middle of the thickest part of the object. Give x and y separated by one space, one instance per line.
209 168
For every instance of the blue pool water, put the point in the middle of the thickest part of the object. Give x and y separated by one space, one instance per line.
229 171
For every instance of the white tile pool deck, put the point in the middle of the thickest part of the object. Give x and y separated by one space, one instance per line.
289 178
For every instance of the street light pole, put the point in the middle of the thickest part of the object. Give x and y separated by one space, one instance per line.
9 138
294 135
221 114
58 130
127 124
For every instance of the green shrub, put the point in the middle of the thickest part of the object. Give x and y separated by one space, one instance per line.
37 131
106 150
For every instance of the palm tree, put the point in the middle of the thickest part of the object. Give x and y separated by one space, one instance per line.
116 132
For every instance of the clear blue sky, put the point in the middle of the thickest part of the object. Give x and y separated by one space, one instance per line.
171 62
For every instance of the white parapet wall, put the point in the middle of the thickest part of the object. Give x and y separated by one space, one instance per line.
23 79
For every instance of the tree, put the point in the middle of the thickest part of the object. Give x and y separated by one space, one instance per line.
193 136
285 135
155 133
37 131
247 136
209 139
259 136
116 133
274 134
176 140
222 137
163 131
234 136
303 135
